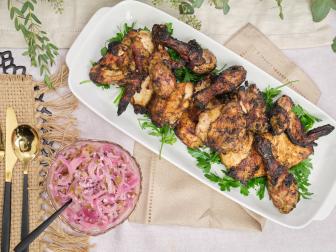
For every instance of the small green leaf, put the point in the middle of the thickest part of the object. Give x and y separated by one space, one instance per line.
186 8
170 28
333 45
196 3
103 51
35 18
226 7
85 81
119 96
320 9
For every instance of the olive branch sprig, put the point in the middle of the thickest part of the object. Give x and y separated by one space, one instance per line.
41 51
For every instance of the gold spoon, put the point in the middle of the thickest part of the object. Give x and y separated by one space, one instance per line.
26 145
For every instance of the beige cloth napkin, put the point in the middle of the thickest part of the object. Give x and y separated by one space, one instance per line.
297 30
170 196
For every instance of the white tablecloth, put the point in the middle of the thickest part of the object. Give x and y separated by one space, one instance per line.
320 64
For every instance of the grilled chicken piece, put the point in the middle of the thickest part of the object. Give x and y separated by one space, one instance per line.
186 127
244 164
114 66
287 153
254 106
132 85
281 184
169 110
141 99
283 119
223 128
229 80
163 79
199 60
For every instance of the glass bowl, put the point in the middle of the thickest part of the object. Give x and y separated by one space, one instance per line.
94 215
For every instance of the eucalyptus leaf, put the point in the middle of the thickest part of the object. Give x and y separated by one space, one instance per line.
186 8
196 3
226 7
320 9
333 46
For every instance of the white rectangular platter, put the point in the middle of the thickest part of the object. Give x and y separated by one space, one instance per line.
104 24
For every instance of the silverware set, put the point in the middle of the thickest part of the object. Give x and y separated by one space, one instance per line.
21 142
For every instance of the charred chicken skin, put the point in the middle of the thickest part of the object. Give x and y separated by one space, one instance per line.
283 119
254 107
228 81
169 110
199 60
281 184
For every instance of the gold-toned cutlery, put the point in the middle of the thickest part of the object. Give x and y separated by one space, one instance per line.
10 160
26 145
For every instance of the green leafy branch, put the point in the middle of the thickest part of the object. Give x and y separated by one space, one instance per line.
206 158
41 51
165 133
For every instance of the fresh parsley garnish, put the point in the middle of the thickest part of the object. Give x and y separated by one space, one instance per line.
301 173
271 92
306 119
170 28
120 95
173 54
165 133
85 81
123 31
206 157
103 86
184 74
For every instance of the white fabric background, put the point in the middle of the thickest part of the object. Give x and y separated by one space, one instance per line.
320 64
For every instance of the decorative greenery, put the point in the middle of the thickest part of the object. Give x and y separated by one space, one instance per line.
301 173
58 5
206 157
306 119
165 133
41 51
279 3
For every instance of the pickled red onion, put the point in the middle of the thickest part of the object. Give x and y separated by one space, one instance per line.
102 180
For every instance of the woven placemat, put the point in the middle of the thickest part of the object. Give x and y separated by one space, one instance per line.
17 92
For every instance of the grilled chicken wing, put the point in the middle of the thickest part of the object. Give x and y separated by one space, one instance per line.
287 153
200 60
281 184
229 80
283 119
254 106
169 110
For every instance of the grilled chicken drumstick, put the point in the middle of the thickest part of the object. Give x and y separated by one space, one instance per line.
281 184
283 119
229 80
199 60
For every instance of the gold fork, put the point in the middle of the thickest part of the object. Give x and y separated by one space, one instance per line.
2 147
